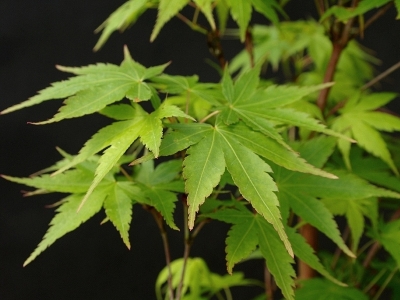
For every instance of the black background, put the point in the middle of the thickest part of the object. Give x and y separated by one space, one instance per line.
92 262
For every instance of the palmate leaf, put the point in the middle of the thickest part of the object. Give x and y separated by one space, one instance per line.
120 19
118 208
247 103
166 10
241 12
301 193
359 121
250 230
68 219
146 126
205 164
314 288
343 14
389 236
159 186
95 87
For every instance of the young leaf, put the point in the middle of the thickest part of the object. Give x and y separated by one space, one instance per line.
305 253
359 120
250 230
314 288
203 168
121 19
148 127
206 8
68 219
118 208
95 87
166 10
241 13
75 181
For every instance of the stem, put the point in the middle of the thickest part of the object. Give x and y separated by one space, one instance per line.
388 279
228 294
338 250
329 73
186 250
249 46
376 246
374 281
377 15
310 234
339 43
209 116
192 25
269 290
381 76
160 223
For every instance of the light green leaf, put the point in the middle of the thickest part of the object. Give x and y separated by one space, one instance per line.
95 87
120 19
166 10
314 288
315 213
274 151
206 7
305 253
222 9
241 13
241 241
119 112
203 168
164 202
75 181
68 219
111 156
278 260
118 207
267 8
151 133
390 237
249 174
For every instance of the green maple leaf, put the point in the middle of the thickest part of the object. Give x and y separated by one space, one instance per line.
123 17
159 186
206 7
205 164
359 121
166 10
95 87
249 231
301 192
343 13
263 108
389 237
119 136
314 288
241 12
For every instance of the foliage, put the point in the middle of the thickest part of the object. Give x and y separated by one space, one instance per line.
269 159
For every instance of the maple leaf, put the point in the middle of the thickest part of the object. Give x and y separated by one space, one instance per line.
123 17
116 197
301 192
159 186
359 121
249 231
95 87
262 109
314 288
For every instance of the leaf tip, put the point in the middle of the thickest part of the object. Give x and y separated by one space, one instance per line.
127 54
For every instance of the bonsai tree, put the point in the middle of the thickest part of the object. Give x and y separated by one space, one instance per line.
279 158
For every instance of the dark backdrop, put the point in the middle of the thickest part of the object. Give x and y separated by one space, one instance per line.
92 262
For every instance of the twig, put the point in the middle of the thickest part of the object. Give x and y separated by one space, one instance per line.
381 76
269 290
388 279
209 116
376 246
310 234
160 223
377 15
192 25
187 247
338 251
